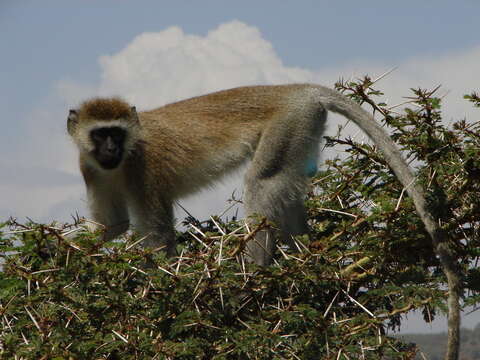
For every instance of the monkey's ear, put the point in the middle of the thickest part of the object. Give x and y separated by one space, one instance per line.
72 121
133 110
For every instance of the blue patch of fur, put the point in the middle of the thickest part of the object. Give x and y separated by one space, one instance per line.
311 167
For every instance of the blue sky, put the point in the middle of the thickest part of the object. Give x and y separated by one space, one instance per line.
56 53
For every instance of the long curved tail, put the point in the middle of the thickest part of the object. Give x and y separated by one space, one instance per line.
338 103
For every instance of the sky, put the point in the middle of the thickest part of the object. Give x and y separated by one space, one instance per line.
57 53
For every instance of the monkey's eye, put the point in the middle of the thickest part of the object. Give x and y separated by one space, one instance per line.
96 136
117 134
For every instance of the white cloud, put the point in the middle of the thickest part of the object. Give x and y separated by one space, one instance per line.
157 68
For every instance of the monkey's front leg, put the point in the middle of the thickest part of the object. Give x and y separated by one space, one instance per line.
159 235
107 209
154 222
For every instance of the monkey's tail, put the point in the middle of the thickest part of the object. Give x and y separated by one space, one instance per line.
338 103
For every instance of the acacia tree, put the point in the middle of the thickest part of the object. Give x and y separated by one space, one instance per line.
367 262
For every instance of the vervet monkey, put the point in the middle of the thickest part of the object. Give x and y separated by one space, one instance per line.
136 165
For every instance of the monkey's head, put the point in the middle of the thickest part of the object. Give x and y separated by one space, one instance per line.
105 129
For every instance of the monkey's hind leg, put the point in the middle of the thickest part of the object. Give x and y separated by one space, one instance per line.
275 188
279 200
276 181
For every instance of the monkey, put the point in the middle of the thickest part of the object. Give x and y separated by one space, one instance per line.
135 165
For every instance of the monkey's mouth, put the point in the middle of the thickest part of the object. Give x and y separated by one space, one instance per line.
109 162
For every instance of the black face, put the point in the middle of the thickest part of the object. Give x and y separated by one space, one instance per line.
109 145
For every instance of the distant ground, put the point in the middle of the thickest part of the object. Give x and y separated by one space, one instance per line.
433 345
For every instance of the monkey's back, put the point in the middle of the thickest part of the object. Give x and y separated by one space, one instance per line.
195 141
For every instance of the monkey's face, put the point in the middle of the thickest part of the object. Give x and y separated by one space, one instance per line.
109 145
